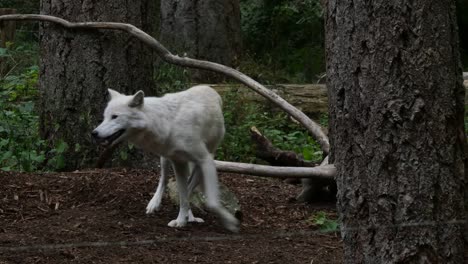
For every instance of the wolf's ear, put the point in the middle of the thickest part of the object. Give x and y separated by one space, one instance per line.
113 94
137 99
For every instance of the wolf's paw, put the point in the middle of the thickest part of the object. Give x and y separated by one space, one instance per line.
177 223
153 206
231 224
193 219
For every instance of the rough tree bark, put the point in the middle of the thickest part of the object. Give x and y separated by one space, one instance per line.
77 67
398 148
206 30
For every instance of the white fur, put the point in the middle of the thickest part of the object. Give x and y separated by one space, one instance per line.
183 128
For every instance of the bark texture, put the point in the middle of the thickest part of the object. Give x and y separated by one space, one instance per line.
206 30
396 129
77 67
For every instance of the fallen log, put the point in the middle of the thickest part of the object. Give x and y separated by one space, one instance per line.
312 99
309 98
265 150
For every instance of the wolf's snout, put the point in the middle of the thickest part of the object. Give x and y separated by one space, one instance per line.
95 134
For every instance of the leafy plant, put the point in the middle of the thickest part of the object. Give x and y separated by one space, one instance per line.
323 222
57 160
21 147
17 57
240 115
170 78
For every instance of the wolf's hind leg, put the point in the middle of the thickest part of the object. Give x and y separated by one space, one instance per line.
155 202
181 171
193 181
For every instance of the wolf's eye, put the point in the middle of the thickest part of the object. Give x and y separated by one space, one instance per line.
114 116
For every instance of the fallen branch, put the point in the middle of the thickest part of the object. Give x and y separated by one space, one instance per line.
266 151
325 172
314 129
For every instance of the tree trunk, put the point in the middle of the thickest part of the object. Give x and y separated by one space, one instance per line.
396 129
77 67
7 34
207 30
7 29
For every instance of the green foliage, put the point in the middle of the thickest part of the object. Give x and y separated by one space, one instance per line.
19 144
16 58
240 115
285 40
170 78
57 160
323 222
21 147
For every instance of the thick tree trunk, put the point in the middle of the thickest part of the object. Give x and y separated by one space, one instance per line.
77 67
207 30
396 129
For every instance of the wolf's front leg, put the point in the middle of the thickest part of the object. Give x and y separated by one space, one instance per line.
210 180
155 202
181 172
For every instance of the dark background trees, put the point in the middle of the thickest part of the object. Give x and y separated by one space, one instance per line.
77 67
285 36
207 30
396 130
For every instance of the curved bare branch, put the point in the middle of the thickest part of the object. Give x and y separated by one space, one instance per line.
314 129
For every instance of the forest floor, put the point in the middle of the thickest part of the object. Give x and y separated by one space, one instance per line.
99 216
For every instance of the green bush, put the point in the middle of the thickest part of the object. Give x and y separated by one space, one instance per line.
21 147
170 78
240 115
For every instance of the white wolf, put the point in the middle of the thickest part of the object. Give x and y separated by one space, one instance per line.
184 129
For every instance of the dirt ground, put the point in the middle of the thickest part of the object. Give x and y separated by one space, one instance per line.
99 217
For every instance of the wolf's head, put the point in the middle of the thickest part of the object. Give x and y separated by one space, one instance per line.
122 117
